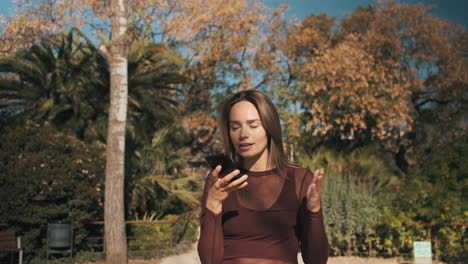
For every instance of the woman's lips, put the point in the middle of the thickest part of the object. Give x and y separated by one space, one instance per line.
245 146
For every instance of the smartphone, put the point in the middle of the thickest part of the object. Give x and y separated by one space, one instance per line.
227 164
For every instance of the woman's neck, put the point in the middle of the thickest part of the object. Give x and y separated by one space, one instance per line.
257 163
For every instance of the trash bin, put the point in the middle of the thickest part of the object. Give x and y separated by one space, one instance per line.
60 238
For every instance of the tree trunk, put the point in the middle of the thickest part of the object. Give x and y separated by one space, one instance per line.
116 54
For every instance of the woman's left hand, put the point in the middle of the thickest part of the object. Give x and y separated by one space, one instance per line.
314 192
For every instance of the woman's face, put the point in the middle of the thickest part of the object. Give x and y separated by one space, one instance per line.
246 131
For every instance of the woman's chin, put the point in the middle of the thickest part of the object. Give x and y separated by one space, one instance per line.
248 154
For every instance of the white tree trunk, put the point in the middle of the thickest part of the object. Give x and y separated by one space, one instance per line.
116 53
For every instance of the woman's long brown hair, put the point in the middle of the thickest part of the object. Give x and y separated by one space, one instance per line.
270 122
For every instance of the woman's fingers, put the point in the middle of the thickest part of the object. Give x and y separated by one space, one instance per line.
316 184
216 171
228 179
225 182
243 185
238 182
233 186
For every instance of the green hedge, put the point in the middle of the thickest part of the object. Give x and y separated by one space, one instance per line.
156 236
46 176
349 200
431 203
369 203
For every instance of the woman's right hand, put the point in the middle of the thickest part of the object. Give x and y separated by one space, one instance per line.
221 188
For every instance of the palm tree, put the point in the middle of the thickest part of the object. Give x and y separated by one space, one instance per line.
65 81
42 83
153 184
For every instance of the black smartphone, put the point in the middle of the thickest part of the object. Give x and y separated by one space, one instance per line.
227 164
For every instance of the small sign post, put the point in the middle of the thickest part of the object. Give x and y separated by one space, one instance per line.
422 252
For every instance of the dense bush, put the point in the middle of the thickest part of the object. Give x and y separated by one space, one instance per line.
157 236
370 206
350 196
48 176
430 205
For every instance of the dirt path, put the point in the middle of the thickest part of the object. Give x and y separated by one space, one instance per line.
190 257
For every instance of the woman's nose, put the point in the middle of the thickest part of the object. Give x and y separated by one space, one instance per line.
244 133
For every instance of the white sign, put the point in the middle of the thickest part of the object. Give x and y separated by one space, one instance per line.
422 252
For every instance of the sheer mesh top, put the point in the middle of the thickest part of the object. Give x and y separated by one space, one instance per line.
265 222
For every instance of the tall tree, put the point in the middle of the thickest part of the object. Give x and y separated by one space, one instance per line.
116 54
228 45
65 81
384 73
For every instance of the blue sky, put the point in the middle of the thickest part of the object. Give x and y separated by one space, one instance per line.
5 6
453 10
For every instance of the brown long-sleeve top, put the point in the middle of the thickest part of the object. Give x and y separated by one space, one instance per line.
266 222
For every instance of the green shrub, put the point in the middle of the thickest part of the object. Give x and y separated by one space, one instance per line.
159 236
46 176
79 257
149 236
350 196
185 230
430 202
370 203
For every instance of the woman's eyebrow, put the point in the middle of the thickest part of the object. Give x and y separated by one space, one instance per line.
248 121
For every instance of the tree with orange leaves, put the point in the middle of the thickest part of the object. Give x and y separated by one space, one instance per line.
228 45
34 20
378 73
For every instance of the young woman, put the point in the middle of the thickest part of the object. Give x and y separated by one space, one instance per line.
274 209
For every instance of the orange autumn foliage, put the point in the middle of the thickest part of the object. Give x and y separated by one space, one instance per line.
368 75
348 85
372 74
36 19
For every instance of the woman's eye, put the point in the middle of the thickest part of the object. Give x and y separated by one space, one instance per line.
252 126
